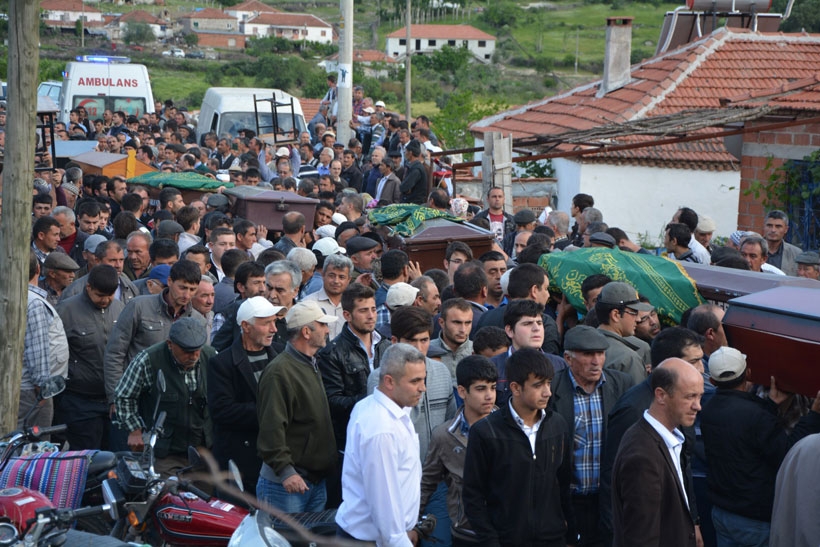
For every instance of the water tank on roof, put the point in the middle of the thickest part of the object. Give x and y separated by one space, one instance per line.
730 6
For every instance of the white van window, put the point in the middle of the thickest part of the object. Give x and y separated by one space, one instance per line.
95 106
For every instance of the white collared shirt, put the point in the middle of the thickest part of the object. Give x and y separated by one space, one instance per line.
530 431
381 475
329 308
674 444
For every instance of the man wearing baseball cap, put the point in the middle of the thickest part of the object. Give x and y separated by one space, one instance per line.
745 443
233 380
183 358
296 439
617 310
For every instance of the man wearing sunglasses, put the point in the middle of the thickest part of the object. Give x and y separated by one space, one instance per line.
617 309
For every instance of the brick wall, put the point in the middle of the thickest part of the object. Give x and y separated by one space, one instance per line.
230 41
763 152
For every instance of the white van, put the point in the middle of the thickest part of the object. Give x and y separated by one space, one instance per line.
102 85
226 110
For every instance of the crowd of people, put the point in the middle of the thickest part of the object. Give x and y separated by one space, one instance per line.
338 373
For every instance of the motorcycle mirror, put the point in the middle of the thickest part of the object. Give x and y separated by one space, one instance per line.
236 475
52 387
113 496
194 458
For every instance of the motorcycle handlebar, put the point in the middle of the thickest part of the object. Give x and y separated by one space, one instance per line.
37 431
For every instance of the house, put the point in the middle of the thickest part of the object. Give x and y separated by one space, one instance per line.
209 20
224 40
116 28
293 26
426 39
249 9
729 78
65 13
375 63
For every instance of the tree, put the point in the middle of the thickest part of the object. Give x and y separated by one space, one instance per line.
15 223
501 14
191 39
459 111
138 33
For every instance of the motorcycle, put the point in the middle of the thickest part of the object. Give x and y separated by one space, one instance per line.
171 511
29 519
27 445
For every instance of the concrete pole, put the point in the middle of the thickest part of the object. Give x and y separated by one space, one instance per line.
408 52
345 80
18 176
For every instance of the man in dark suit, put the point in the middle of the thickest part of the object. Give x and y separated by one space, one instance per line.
650 505
584 394
233 378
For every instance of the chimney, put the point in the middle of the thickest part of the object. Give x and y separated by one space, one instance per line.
617 54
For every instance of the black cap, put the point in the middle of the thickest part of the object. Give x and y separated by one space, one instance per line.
188 333
524 216
602 238
584 338
60 261
359 243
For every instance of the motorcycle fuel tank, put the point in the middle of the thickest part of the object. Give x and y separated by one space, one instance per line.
192 521
18 504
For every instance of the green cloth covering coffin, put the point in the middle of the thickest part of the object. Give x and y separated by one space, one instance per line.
184 181
664 282
407 217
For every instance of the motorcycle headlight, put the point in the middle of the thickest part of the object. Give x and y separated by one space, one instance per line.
271 537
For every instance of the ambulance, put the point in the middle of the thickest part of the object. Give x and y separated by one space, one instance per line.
101 83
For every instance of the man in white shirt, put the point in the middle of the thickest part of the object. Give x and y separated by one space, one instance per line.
650 505
381 476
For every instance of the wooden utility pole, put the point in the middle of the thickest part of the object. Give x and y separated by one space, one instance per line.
496 166
15 223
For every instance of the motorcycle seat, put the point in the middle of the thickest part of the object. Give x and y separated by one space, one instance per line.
100 462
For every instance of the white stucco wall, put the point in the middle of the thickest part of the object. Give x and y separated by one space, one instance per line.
642 200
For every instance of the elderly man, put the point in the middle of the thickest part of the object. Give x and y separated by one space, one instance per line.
362 251
233 380
183 359
583 393
808 265
59 271
336 273
296 439
381 476
755 251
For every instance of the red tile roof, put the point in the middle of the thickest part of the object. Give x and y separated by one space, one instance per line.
309 108
254 5
140 16
443 32
288 20
66 5
207 13
729 63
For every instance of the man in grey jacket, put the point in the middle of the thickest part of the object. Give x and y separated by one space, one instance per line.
89 318
146 320
111 254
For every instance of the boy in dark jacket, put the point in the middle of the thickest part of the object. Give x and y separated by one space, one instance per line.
518 467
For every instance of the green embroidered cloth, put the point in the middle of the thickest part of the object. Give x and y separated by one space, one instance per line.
405 218
663 281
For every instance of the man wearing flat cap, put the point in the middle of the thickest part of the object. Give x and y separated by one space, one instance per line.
584 394
617 310
362 251
808 265
296 441
183 359
59 270
524 221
